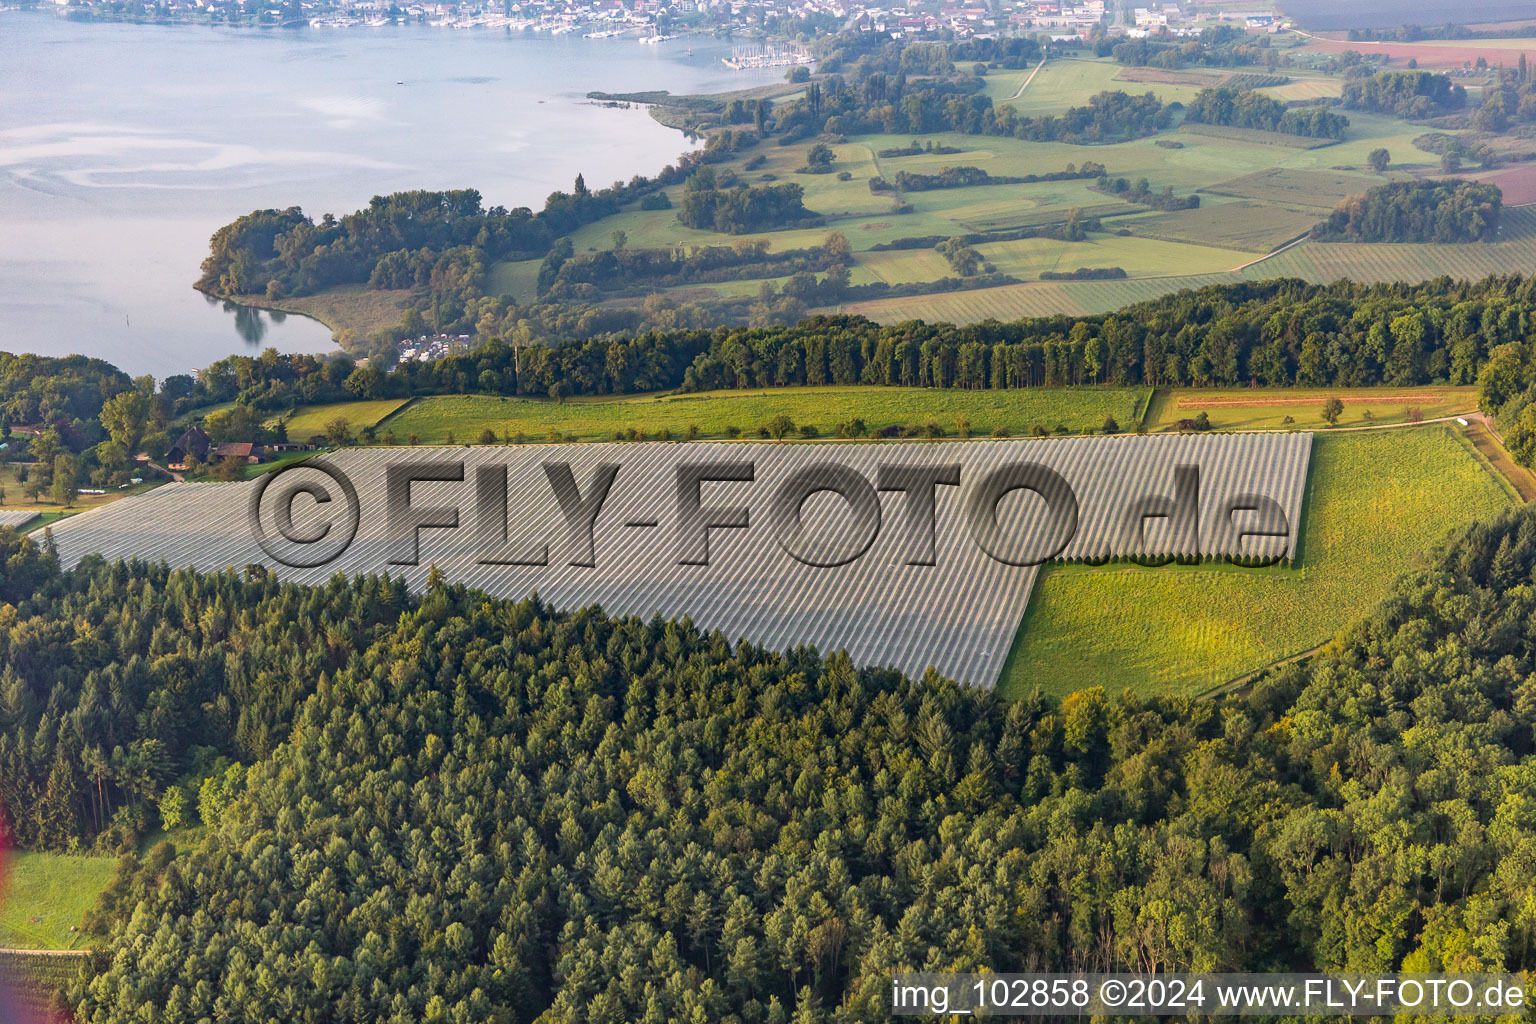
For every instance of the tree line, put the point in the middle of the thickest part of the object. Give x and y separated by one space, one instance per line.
1276 333
1273 333
487 810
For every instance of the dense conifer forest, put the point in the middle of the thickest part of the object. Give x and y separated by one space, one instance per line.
464 809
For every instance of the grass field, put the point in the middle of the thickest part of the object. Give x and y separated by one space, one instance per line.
518 279
1137 256
1255 136
308 420
596 419
1245 226
1319 262
1376 502
1062 83
1312 189
1267 408
13 493
1041 298
45 895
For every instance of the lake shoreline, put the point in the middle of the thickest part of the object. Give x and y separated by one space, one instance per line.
113 179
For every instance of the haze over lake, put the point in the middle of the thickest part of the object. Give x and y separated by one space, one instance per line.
122 148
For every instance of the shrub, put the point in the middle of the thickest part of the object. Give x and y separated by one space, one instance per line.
778 427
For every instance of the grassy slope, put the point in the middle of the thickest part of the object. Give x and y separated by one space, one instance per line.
54 889
1376 502
431 419
307 420
1266 408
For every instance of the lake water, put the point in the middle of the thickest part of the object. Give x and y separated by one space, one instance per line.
122 148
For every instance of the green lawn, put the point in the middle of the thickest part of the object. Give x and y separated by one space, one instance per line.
1376 503
1268 408
595 419
520 280
47 893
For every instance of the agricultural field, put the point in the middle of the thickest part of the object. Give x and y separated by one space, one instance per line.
1377 502
1137 256
433 420
1244 226
306 421
1040 298
1293 187
1259 191
1517 183
1514 253
1269 408
35 978
47 894
1255 136
1319 262
1304 88
1448 53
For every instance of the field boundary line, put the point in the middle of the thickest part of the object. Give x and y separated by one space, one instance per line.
1274 252
1238 682
46 952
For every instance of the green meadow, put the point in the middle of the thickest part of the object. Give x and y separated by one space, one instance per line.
464 417
46 894
1376 503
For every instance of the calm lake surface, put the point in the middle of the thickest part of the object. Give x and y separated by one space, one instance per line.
122 148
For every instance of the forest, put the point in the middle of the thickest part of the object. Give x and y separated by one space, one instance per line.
1245 108
743 209
449 808
1443 212
1510 101
1417 94
1274 333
